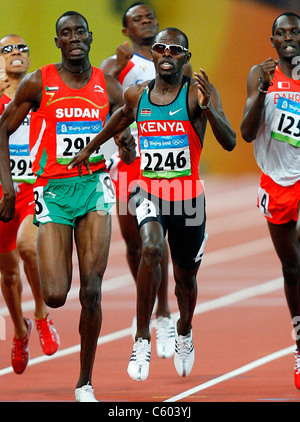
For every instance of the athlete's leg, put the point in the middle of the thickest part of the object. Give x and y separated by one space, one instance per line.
186 291
92 236
288 250
54 255
11 286
133 242
131 236
27 247
149 275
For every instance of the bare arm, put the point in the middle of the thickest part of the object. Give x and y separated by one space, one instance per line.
210 103
114 65
117 123
27 96
255 102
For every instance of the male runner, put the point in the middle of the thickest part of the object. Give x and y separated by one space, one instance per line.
131 65
18 238
69 102
272 120
171 112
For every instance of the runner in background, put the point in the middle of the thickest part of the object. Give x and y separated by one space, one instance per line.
272 121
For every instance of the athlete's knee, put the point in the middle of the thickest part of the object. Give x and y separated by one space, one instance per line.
54 296
90 297
27 250
10 277
152 253
54 300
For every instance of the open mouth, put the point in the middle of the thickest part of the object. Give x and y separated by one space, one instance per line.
289 48
166 65
76 51
16 62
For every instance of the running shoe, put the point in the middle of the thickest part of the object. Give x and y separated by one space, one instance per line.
49 338
20 350
297 369
138 367
165 337
85 394
184 354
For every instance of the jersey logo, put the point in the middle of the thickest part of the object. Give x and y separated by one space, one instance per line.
51 88
146 111
284 85
98 88
171 113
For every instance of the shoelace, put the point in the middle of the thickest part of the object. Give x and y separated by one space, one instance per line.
87 388
141 352
184 346
18 348
164 330
44 329
297 361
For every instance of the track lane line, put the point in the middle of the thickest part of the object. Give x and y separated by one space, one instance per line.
222 301
235 373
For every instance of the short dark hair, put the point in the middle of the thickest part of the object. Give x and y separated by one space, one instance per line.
137 3
70 13
171 28
283 14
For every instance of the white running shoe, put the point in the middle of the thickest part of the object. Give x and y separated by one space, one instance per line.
184 354
85 394
165 337
138 367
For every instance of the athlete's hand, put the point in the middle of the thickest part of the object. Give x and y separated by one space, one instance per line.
7 209
268 68
125 141
124 54
204 87
81 158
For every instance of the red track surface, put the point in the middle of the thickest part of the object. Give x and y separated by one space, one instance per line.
240 324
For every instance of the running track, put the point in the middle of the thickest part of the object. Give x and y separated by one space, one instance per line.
242 329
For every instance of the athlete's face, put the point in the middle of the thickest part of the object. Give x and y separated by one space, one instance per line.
141 24
16 61
73 37
286 38
166 63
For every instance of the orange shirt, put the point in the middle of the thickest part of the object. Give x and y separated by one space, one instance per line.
66 121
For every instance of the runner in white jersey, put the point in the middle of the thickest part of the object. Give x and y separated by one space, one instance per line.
131 65
272 121
18 237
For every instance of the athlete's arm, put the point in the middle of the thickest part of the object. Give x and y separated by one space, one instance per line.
207 96
118 122
114 65
255 102
27 97
124 140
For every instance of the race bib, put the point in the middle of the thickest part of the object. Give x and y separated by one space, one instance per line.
286 122
72 137
165 156
20 164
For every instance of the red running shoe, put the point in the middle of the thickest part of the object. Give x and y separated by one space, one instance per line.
297 369
49 338
20 350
